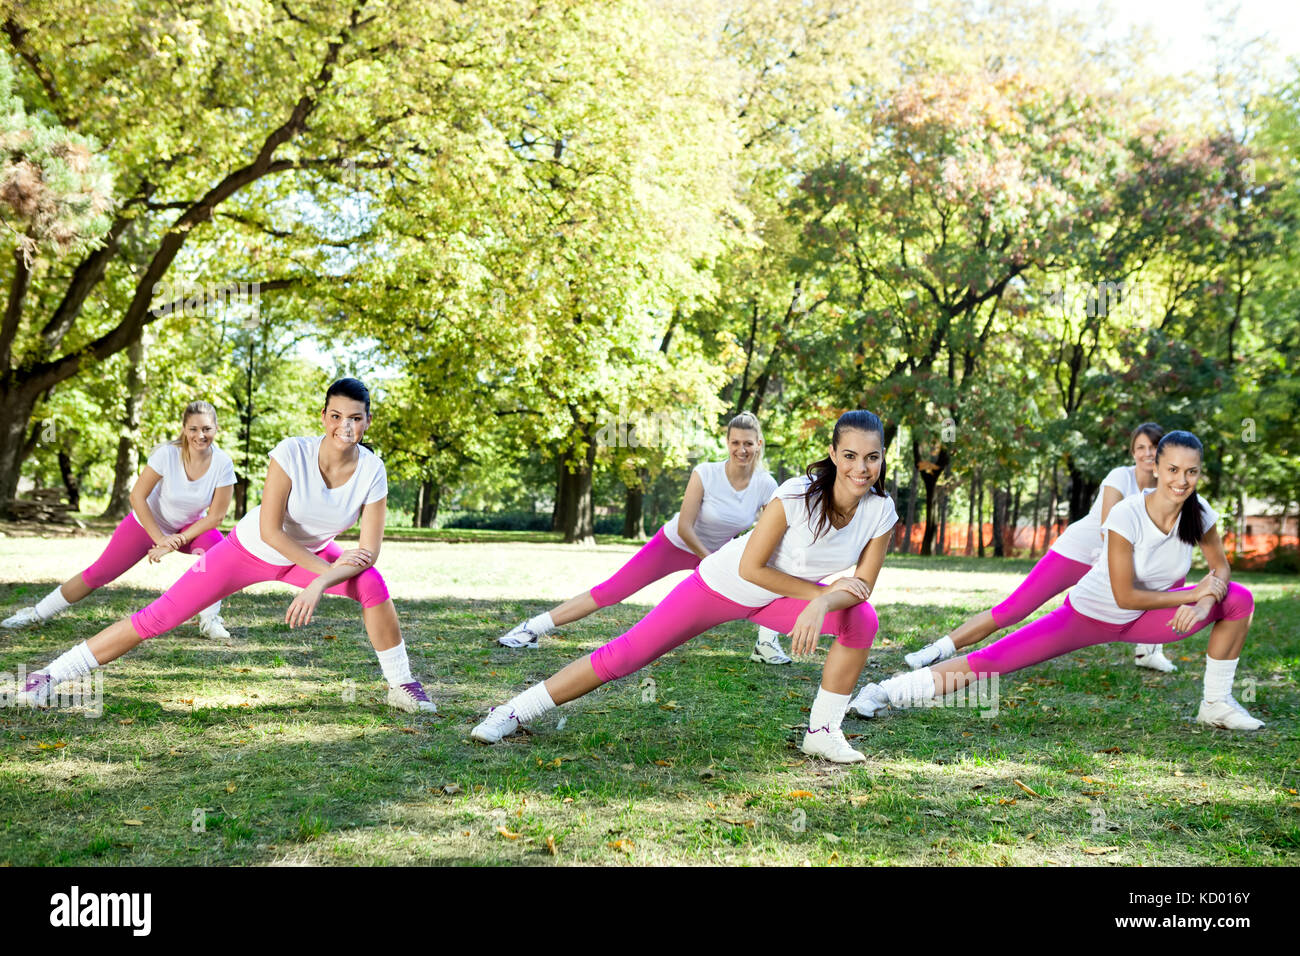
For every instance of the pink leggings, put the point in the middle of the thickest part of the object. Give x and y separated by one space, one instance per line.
657 559
229 568
1053 574
1065 630
130 543
693 607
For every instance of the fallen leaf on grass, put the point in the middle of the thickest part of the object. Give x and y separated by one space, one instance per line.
407 730
551 848
451 789
710 804
800 794
1111 750
57 746
133 823
1093 793
1006 801
738 823
1179 773
186 700
567 800
507 834
671 705
231 788
1024 788
329 637
978 786
1291 790
127 722
663 763
623 846
1100 850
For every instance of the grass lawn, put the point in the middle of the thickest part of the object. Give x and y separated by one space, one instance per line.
277 748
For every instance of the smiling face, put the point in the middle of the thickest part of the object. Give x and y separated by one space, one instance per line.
1177 471
858 462
1144 455
199 432
345 421
743 446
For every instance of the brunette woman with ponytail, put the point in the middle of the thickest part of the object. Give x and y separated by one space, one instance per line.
316 487
1130 595
835 516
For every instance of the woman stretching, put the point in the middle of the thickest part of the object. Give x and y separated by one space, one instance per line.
722 499
177 503
1130 595
1068 560
836 516
315 489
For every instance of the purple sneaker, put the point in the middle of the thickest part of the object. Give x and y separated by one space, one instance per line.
37 691
411 698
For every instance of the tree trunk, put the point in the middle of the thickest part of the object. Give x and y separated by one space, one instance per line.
979 512
634 514
970 518
558 516
1081 492
930 476
575 491
911 506
70 481
1015 517
943 523
15 413
430 499
1038 495
1051 510
124 472
1001 503
241 496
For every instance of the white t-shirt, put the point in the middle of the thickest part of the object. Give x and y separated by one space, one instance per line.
314 513
797 554
724 511
176 502
1082 540
1159 560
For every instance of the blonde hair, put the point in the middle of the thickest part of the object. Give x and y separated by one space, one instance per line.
748 421
192 409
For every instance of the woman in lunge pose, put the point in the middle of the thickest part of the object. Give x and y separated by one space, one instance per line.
836 516
723 498
1130 595
1065 563
177 504
316 488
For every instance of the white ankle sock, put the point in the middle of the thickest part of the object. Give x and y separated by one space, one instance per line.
52 604
910 689
827 710
531 704
1218 679
946 647
396 665
72 664
208 613
542 624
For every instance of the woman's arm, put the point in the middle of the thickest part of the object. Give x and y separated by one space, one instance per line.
140 492
1188 617
842 592
347 565
760 545
1119 558
1110 497
275 499
217 509
691 502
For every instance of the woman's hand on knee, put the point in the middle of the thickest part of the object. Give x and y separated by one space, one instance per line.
807 629
1189 617
356 557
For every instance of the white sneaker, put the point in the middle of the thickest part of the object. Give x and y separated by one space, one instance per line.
500 722
411 698
767 649
520 636
829 742
1227 714
23 618
871 700
1153 656
37 691
930 654
213 628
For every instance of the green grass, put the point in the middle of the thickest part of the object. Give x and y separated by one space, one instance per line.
278 748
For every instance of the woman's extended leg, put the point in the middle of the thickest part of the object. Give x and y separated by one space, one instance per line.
657 558
1052 574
